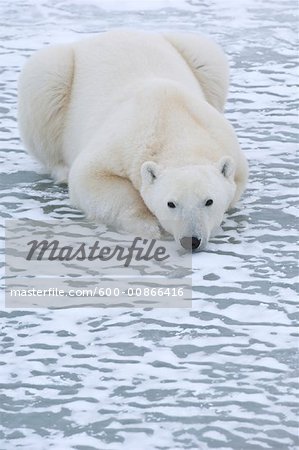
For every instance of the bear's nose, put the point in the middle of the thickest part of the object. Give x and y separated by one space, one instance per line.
190 243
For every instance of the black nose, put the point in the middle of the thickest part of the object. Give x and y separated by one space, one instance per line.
190 243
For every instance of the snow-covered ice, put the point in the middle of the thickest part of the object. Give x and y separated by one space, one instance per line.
222 374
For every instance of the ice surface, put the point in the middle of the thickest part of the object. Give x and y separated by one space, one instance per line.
222 375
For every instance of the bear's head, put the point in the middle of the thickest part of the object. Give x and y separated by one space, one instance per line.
189 201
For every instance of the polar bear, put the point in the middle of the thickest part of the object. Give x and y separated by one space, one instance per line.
133 122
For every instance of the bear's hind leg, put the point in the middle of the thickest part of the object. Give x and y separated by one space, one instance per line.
208 63
60 173
45 88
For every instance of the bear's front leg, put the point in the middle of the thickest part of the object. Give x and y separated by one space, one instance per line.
111 199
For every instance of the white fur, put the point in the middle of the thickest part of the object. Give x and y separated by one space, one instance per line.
95 111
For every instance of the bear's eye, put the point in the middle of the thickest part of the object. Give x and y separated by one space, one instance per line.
209 202
171 205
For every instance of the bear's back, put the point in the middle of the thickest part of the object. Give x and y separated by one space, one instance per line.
111 67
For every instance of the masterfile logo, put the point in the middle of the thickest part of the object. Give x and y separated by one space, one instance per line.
53 251
61 264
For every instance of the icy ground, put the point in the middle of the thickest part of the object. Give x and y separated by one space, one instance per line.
222 375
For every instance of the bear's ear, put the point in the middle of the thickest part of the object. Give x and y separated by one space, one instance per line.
149 172
227 167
